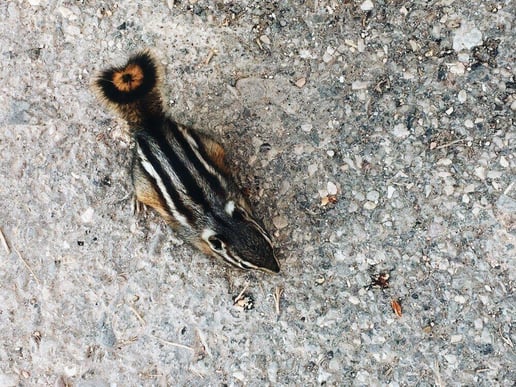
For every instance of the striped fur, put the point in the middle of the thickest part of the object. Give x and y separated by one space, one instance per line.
182 173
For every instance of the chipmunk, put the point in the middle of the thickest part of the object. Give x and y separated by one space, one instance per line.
182 173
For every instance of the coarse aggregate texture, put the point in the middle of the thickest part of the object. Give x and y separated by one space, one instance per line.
373 138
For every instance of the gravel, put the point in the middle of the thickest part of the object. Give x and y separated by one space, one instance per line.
372 137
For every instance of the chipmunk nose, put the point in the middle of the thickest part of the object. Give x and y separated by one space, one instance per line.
272 265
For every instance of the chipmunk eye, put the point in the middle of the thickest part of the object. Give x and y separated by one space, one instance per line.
215 243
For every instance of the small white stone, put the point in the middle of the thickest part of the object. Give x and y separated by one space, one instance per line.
469 124
480 172
463 96
390 191
354 300
327 58
449 190
306 127
72 30
369 205
466 37
455 339
460 299
359 85
494 174
444 161
513 105
503 162
330 153
367 5
331 188
265 39
457 68
451 359
400 131
465 198
312 168
449 111
87 216
373 196
463 57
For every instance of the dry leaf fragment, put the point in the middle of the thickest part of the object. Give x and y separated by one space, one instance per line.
396 307
330 199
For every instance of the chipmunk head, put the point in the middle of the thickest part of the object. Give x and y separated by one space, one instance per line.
238 238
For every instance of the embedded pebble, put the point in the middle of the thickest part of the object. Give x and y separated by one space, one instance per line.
463 96
457 68
300 82
373 196
466 37
369 205
390 191
400 131
265 39
506 204
306 127
87 215
359 85
480 172
367 5
280 221
454 339
331 188
384 105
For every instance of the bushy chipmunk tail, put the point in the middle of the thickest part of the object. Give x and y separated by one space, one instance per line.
133 90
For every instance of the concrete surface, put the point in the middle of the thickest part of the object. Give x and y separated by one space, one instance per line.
374 138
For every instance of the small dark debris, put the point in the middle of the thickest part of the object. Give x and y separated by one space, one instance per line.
486 349
487 52
265 147
380 281
80 243
122 26
311 366
244 302
442 73
106 180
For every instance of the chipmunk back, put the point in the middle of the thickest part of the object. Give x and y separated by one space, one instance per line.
182 173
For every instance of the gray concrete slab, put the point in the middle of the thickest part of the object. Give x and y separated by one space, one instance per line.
373 138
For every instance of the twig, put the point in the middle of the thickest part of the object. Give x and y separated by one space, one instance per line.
449 144
505 339
277 297
172 343
27 266
210 56
437 374
202 341
4 242
241 294
138 316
